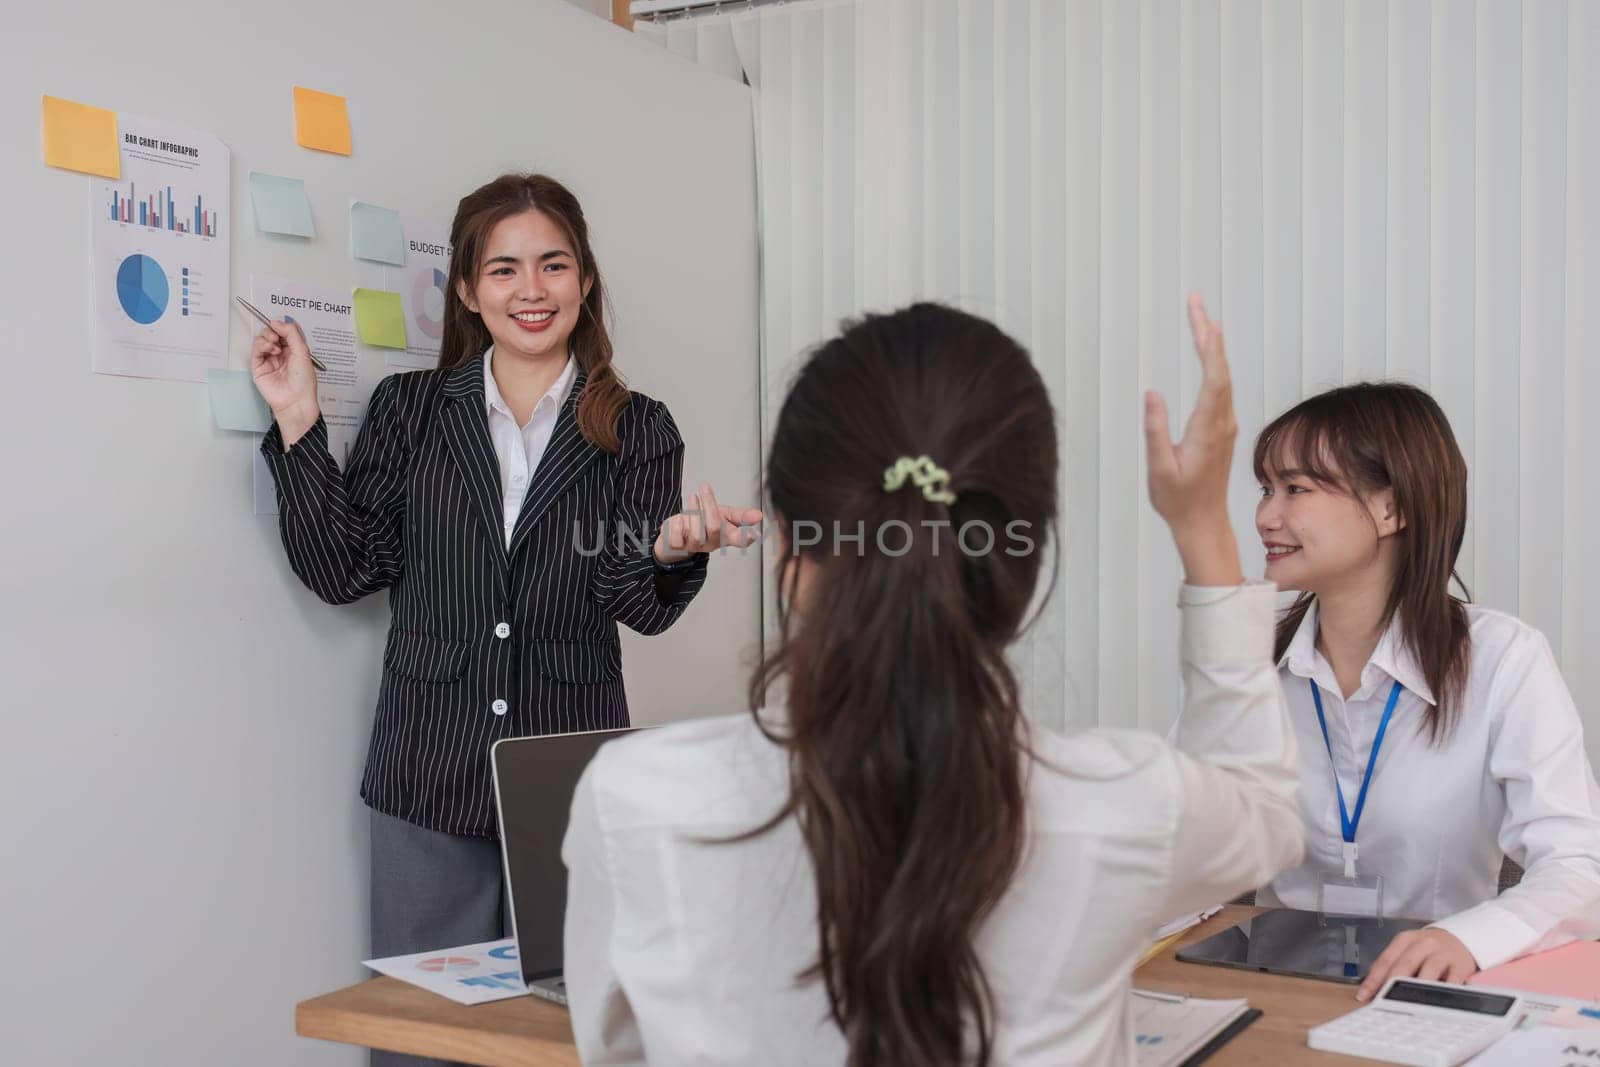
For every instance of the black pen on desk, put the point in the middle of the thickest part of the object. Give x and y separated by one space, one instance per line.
315 362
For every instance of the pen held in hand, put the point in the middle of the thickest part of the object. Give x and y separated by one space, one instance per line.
262 318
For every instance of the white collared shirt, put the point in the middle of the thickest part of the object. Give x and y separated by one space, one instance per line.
1512 778
520 448
687 950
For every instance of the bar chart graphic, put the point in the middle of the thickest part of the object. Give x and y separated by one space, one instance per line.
160 211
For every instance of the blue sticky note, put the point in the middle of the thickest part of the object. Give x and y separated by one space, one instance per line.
235 404
375 234
281 205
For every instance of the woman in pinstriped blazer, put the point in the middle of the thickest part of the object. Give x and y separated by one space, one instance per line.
519 502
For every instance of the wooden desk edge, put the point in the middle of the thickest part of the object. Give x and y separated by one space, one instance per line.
355 1016
386 1013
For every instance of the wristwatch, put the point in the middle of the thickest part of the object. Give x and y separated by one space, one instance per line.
679 567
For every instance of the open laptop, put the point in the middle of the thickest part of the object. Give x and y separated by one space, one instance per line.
534 780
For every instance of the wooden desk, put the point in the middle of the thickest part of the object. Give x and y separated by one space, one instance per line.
387 1013
526 1032
1290 1006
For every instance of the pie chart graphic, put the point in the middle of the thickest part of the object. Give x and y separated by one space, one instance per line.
142 289
447 963
427 302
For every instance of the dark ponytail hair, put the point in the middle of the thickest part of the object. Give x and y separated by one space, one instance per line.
1362 438
604 394
904 733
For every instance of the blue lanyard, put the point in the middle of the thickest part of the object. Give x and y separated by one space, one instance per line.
1346 822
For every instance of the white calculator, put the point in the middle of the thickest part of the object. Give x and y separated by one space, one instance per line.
1426 1024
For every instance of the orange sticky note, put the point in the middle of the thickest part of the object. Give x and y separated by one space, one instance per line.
82 138
321 121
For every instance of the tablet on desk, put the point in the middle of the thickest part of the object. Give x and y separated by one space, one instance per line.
1305 944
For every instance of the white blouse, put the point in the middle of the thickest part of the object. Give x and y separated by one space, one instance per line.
1512 779
518 449
681 949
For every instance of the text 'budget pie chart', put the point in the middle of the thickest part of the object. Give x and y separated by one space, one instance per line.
427 302
142 289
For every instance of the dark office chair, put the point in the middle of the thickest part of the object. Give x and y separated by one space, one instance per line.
1510 874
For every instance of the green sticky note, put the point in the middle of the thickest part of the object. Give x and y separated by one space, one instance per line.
280 205
375 234
235 404
380 320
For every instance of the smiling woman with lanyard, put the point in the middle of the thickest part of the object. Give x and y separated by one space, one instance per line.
519 502
1436 737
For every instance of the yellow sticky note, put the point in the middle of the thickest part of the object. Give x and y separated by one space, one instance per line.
321 121
80 137
380 320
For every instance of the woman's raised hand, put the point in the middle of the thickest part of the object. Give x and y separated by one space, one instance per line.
1189 479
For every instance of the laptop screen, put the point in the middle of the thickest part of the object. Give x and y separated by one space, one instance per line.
534 779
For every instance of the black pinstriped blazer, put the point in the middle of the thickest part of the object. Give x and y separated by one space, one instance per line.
484 643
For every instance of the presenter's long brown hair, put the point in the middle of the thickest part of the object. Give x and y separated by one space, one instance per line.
604 394
1362 438
905 738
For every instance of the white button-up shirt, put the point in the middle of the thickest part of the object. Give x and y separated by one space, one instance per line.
690 949
1512 779
520 448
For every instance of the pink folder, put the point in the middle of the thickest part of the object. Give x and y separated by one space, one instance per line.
1569 971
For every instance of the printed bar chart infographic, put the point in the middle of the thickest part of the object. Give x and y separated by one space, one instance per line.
160 254
159 212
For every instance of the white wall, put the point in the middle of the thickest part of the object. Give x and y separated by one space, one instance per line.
1362 188
184 725
602 8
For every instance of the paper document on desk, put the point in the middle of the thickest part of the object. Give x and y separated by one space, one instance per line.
1168 932
1543 1046
1183 922
1169 1029
471 974
1542 1009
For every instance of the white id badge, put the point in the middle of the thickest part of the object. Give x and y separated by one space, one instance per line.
1353 896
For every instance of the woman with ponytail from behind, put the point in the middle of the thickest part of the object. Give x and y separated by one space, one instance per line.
886 864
